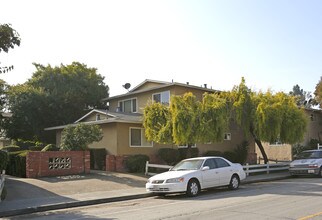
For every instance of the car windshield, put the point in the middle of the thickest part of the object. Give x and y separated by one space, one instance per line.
309 155
188 165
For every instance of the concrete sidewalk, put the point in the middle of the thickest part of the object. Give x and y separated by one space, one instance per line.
35 195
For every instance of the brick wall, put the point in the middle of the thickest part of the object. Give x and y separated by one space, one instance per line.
57 163
115 163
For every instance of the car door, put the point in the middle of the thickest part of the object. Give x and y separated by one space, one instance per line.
224 170
210 177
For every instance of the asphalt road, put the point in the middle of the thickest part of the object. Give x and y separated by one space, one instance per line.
299 198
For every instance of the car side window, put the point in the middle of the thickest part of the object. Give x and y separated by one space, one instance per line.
210 163
221 163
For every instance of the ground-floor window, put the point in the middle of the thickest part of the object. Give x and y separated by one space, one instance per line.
137 138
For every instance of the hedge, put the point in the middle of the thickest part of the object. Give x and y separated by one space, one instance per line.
4 159
17 163
136 163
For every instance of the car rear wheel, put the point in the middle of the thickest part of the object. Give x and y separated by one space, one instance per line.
234 182
193 188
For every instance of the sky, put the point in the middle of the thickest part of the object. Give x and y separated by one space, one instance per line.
274 44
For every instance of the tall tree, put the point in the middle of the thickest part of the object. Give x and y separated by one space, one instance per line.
53 96
268 117
9 38
318 92
302 98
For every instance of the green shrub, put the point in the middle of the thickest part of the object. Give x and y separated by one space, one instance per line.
11 148
169 155
98 156
230 155
35 148
136 163
241 152
17 163
183 152
4 159
50 147
213 153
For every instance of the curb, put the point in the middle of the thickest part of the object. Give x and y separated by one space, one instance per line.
74 204
66 205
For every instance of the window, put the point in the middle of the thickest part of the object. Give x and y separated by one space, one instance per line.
221 163
162 97
227 136
137 138
127 106
210 163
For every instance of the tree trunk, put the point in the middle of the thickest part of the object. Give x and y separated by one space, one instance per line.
260 146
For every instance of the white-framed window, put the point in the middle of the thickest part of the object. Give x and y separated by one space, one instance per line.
162 97
227 136
128 105
137 138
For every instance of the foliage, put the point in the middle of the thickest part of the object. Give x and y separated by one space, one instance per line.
136 163
29 145
50 147
11 148
184 153
53 96
318 92
313 144
241 152
169 155
213 153
98 158
80 136
35 148
4 159
302 98
17 163
9 38
157 123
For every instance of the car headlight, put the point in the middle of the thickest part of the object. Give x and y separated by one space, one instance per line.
175 180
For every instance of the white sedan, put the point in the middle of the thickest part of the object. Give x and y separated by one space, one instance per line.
194 174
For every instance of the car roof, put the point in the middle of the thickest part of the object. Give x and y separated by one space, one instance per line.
202 158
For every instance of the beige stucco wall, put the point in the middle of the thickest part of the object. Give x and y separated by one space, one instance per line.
314 128
109 141
276 152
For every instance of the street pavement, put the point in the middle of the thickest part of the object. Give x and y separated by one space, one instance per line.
25 195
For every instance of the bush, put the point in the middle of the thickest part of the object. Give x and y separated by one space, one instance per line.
136 163
183 153
169 155
11 148
241 152
230 155
50 147
213 153
17 163
4 159
98 158
35 148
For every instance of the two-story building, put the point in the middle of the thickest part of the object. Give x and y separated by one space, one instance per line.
122 123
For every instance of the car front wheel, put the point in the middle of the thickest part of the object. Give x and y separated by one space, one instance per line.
193 188
234 182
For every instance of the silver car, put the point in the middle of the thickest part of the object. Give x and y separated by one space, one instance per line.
307 163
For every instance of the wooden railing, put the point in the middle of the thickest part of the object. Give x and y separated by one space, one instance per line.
260 168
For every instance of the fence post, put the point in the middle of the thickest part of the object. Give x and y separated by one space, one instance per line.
267 167
146 168
247 169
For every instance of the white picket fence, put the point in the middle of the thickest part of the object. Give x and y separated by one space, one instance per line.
2 179
259 168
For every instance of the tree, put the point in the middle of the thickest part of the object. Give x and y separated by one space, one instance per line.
267 117
302 98
318 92
187 121
9 38
80 136
53 96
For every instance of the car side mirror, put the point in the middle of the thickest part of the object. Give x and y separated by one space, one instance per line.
205 168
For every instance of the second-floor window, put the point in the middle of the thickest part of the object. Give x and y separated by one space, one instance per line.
128 105
162 97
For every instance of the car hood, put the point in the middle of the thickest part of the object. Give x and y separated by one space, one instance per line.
305 161
172 174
